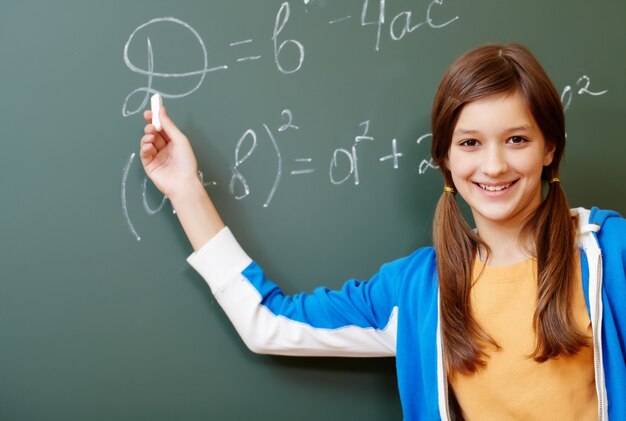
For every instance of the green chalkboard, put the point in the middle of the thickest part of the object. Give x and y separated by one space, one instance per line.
310 120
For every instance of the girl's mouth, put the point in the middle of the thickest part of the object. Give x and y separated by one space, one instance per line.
495 188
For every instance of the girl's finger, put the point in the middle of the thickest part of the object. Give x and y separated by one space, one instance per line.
147 152
149 129
159 141
146 139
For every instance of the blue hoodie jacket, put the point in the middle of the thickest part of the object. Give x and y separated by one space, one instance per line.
396 313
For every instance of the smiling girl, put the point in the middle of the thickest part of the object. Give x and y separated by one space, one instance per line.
521 317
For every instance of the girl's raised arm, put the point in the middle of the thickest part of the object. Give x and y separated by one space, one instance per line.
358 320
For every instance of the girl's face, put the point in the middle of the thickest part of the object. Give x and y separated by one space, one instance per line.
496 158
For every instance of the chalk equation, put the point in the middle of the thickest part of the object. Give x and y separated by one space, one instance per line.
281 20
372 14
343 164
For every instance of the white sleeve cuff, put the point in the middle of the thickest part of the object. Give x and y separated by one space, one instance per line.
220 261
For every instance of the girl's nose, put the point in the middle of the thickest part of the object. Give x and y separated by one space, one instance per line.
494 162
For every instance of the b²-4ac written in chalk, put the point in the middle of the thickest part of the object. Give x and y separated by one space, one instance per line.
156 102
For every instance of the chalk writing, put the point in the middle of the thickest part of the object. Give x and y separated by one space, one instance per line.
340 19
366 129
305 171
351 156
401 24
394 154
583 83
239 60
205 183
378 22
352 160
429 19
131 227
279 166
246 58
289 125
246 41
146 206
427 163
148 90
237 177
281 20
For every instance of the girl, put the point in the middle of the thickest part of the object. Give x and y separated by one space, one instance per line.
510 320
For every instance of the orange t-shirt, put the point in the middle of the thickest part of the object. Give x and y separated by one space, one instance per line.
513 386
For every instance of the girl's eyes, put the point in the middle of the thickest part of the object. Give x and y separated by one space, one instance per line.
517 140
513 140
469 143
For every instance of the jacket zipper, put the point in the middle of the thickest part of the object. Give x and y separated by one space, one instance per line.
445 383
596 341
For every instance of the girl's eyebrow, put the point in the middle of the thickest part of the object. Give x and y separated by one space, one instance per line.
459 132
522 128
465 132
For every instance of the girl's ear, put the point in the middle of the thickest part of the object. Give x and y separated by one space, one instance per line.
549 155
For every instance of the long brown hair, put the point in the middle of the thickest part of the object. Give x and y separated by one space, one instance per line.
549 232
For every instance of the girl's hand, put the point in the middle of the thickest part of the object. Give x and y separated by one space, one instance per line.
169 161
166 156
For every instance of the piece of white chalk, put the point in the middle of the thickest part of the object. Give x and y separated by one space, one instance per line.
156 102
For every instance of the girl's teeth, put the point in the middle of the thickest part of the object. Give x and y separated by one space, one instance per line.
494 188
